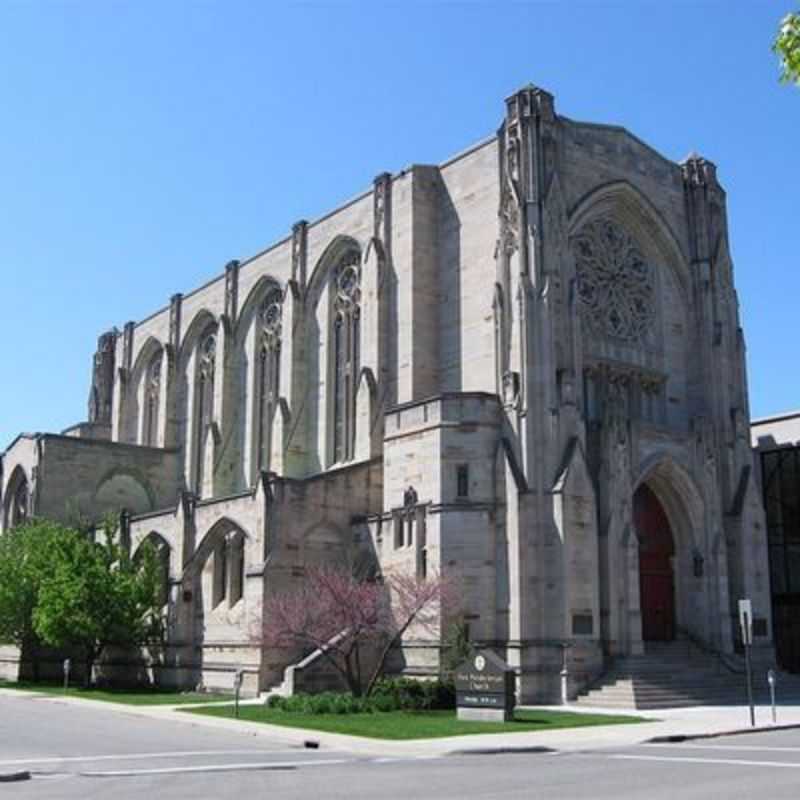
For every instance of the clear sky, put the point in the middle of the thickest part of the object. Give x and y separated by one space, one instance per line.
143 145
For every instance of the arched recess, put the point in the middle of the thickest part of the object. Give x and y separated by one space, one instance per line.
340 247
219 566
323 545
677 495
144 388
656 574
255 378
163 555
634 294
17 499
123 488
630 206
334 343
197 376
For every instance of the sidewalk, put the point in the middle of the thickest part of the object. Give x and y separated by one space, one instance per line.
697 722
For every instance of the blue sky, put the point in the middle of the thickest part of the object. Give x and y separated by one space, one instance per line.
143 145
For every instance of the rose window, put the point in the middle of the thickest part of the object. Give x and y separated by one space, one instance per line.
615 283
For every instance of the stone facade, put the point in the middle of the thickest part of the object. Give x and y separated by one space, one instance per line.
500 367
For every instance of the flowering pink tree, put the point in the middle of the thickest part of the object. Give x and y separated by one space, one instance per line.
351 621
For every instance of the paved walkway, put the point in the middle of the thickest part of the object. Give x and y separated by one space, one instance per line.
699 721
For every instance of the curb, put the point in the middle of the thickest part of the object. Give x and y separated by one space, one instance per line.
499 751
675 738
8 777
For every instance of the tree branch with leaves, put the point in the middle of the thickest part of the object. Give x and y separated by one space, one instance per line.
787 48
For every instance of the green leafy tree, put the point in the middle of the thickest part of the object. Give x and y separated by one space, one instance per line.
96 596
25 557
787 47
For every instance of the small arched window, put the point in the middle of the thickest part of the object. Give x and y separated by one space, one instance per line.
345 340
268 379
204 388
152 396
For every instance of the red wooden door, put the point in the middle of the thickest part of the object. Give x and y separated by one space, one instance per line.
656 584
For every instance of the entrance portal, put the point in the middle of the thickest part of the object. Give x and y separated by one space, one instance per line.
656 580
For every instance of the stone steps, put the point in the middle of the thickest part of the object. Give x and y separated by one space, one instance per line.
675 675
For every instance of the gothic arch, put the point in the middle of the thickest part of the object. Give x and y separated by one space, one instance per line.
224 549
201 321
17 497
627 204
140 420
196 376
220 529
124 487
340 247
679 495
249 309
255 375
163 553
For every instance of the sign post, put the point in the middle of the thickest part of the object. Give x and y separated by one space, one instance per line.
746 624
485 688
237 687
67 665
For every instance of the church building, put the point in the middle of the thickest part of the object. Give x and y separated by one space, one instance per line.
523 367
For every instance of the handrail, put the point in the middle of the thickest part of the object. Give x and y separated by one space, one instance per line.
721 658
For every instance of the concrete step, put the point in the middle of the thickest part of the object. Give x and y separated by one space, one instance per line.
675 675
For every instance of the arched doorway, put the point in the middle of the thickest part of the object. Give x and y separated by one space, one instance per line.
656 579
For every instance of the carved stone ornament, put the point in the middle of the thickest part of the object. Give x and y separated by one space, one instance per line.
380 205
510 388
509 200
208 356
271 315
615 283
348 286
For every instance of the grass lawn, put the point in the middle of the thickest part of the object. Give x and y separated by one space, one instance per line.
415 724
132 697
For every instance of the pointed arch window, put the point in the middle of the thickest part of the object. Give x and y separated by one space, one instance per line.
19 504
345 339
207 356
268 380
152 396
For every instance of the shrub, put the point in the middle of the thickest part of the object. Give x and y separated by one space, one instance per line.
389 694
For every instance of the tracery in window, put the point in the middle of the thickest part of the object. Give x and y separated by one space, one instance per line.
207 355
152 395
268 380
615 283
346 333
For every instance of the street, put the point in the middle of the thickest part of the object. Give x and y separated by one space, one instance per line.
90 752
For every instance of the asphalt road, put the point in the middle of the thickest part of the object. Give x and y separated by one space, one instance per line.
81 752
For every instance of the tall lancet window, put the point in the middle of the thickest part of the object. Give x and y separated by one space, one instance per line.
345 349
19 504
207 355
152 396
268 379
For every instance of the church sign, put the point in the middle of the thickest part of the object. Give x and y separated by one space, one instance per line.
485 688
